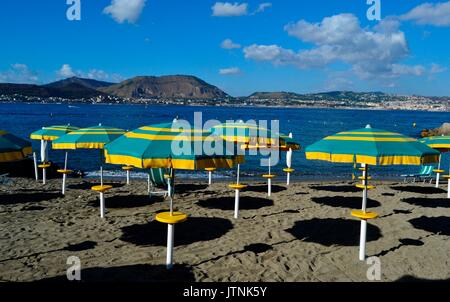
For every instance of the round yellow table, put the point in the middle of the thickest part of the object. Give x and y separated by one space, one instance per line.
64 173
170 219
102 189
210 170
44 167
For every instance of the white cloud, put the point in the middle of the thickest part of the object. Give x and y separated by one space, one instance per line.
437 14
262 7
125 10
230 71
66 71
19 73
227 9
229 44
436 68
370 52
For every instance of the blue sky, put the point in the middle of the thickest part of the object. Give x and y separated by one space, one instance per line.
288 45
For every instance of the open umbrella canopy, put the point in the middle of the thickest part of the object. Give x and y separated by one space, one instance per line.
88 138
169 145
13 148
373 147
441 143
52 132
254 136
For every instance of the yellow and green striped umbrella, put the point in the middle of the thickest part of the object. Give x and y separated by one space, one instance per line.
372 147
52 132
441 143
13 148
169 145
88 138
249 134
369 146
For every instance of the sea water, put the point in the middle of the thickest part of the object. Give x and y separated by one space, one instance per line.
306 125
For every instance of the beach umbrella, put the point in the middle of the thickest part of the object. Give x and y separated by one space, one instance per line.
45 135
370 146
89 138
252 137
13 148
171 146
442 144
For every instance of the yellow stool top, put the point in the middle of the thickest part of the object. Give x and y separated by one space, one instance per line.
237 186
361 169
446 176
43 166
438 171
361 186
62 171
288 170
176 217
269 176
363 178
127 168
364 215
101 189
210 169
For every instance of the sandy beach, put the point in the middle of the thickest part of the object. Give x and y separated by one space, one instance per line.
304 232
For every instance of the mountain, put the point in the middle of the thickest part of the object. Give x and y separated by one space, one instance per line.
88 83
72 88
278 95
176 86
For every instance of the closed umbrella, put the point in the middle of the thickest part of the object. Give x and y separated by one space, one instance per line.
370 146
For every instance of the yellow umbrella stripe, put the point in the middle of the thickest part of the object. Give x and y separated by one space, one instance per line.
370 139
372 160
85 145
44 137
369 133
179 137
181 130
95 132
15 155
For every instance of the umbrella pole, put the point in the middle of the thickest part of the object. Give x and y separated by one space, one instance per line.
269 182
36 174
362 239
148 182
438 174
170 236
64 175
209 177
101 167
236 194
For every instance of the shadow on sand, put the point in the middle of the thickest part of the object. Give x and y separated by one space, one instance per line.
343 189
88 185
127 201
345 202
227 203
263 189
188 188
194 229
130 273
17 198
409 278
437 225
428 202
419 189
330 232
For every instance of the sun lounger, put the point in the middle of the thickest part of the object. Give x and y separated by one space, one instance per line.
159 182
4 179
424 174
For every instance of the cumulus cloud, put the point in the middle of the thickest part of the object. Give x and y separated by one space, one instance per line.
230 71
437 14
229 44
227 9
125 10
262 7
436 68
66 71
371 52
19 73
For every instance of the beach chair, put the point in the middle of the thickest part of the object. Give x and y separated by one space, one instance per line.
4 179
159 182
424 174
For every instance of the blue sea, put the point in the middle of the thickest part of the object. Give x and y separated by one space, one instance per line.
307 126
